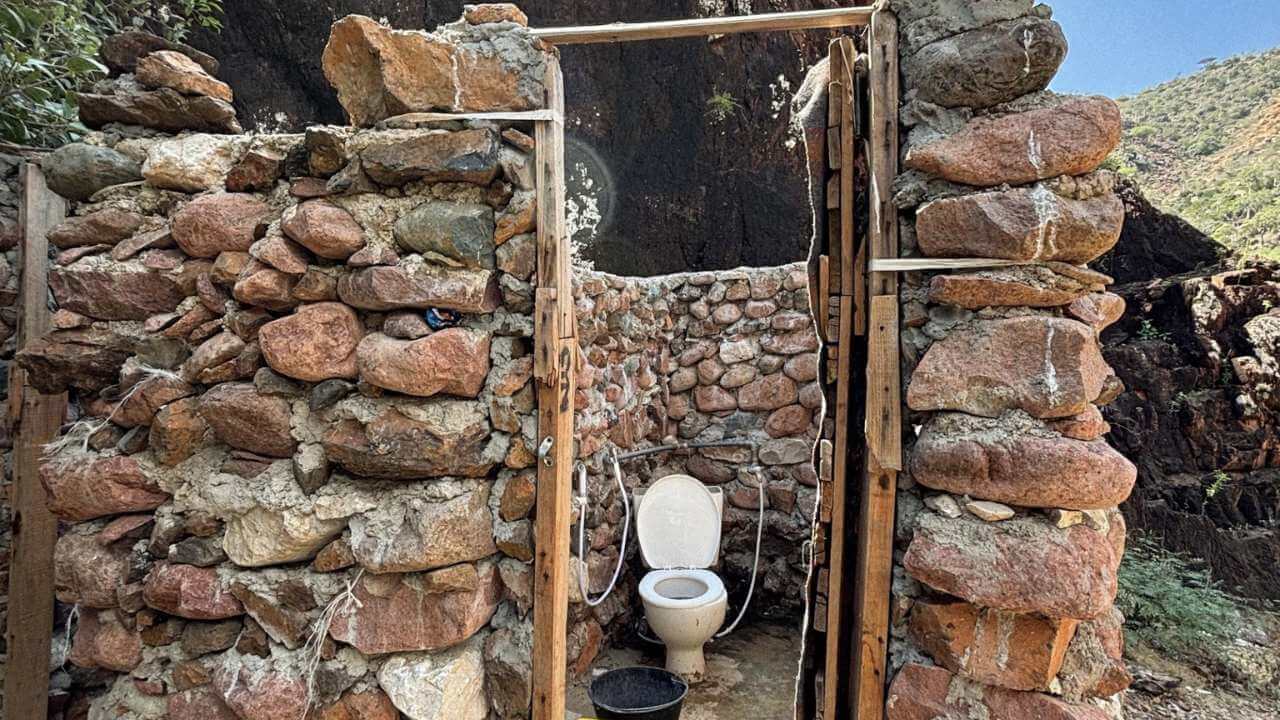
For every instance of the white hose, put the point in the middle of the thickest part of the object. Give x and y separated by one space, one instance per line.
582 534
755 563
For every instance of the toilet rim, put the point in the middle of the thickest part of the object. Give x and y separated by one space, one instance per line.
649 589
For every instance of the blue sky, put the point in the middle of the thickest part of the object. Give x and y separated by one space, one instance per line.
1121 46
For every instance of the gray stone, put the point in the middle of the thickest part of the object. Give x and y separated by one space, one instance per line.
458 234
989 65
77 170
327 393
786 451
437 686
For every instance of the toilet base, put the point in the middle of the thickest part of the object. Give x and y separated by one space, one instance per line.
688 663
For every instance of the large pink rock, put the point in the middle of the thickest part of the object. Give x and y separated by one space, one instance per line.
211 224
189 592
1019 461
446 437
88 573
372 704
397 613
323 228
103 227
469 156
919 692
1068 138
114 292
430 536
88 488
453 361
199 703
101 641
167 68
318 342
247 420
145 399
1025 285
1094 664
1021 565
420 286
1047 367
1023 224
262 689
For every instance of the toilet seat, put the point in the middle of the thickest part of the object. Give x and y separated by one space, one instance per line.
678 597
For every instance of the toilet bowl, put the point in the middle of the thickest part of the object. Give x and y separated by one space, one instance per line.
678 527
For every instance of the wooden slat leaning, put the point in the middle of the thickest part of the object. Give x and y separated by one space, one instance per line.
701 27
34 420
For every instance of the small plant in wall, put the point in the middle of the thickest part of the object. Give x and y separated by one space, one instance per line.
1148 331
1217 481
721 106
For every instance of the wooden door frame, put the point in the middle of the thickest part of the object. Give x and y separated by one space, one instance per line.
556 350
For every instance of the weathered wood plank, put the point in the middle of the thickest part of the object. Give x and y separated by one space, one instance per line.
883 148
836 543
34 420
696 27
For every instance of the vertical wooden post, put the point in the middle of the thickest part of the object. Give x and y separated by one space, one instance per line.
555 361
34 420
874 571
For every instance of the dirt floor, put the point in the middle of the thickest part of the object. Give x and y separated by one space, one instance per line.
750 674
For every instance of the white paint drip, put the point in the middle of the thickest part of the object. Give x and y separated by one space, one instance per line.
457 82
1050 372
1033 153
1027 39
1045 203
1004 624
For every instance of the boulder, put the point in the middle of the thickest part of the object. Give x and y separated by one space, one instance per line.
114 291
242 418
101 641
193 163
211 353
271 688
1020 286
88 573
423 535
1022 224
453 361
1021 565
395 613
451 233
198 703
1018 460
86 488
257 169
263 286
469 156
120 51
142 401
1046 367
76 171
440 437
1094 664
372 704
1072 137
102 227
170 69
323 228
1019 652
280 253
88 359
318 342
222 222
437 686
919 692
420 286
508 660
190 592
161 109
767 393
989 65
264 536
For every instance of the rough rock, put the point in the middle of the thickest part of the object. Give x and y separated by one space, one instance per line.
242 418
258 169
106 227
1047 367
422 535
1022 224
166 68
420 286
453 361
88 573
88 488
1068 138
189 592
270 688
114 292
469 156
919 692
406 325
323 228
372 704
146 397
77 171
211 353
198 703
508 656
456 234
86 358
1094 664
442 437
1019 652
263 536
218 223
987 66
1024 286
192 163
120 51
280 253
1023 565
101 641
318 342
397 614
162 109
438 686
1019 461
264 286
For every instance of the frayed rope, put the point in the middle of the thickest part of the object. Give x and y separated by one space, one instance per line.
81 430
341 603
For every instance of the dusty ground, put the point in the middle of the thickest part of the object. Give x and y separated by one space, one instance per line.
1166 688
750 674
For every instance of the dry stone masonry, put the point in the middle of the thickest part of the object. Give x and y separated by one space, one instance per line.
1009 536
298 476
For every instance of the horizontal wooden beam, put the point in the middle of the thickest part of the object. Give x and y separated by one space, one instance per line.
421 117
698 27
912 264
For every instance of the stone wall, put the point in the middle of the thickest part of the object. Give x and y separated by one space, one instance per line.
1008 535
9 200
700 357
294 482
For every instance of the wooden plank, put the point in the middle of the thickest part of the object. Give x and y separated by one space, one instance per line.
821 305
698 27
408 119
34 420
836 543
883 150
897 265
843 48
555 342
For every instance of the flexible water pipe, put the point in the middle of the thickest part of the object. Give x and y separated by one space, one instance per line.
582 533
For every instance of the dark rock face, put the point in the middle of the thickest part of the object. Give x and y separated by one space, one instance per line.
692 191
1154 244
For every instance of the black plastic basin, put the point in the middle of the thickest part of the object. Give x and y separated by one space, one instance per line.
638 693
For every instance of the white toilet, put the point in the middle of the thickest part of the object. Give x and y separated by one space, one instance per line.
678 526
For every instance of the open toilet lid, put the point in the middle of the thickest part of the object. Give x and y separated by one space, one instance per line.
678 524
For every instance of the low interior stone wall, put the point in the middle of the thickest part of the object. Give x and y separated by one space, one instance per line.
700 357
1009 539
